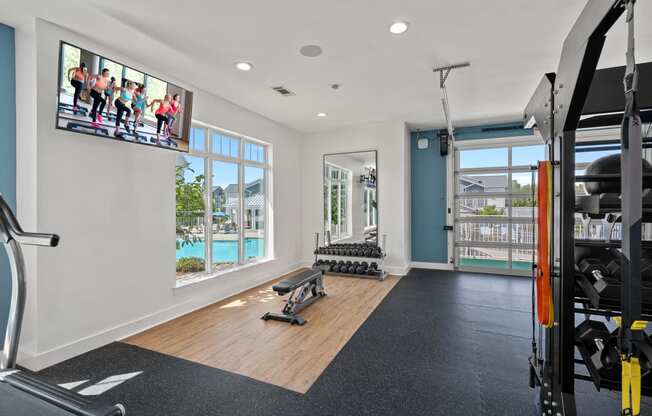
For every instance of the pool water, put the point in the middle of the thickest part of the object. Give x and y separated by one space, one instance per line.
225 251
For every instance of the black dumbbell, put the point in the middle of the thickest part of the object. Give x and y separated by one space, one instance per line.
595 271
594 336
360 270
364 264
351 270
613 267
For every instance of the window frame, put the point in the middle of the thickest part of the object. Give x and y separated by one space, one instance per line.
209 157
329 181
508 219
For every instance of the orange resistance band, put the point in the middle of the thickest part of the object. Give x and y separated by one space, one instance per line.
545 310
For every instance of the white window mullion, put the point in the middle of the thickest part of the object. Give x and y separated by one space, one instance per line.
208 215
508 202
241 247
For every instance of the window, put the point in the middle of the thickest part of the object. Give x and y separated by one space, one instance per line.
370 207
71 58
134 76
254 152
227 146
156 89
337 194
234 188
494 206
114 68
190 213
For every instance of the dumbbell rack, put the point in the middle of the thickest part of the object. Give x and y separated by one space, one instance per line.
380 260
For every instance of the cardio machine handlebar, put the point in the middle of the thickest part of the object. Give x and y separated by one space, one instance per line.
11 229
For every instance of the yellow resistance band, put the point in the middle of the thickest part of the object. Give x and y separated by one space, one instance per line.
631 377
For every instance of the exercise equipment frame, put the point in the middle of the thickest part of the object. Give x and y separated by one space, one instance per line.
556 108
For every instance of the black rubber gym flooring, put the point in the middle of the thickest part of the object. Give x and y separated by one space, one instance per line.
441 343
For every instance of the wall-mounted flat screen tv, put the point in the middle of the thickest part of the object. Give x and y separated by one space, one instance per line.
102 97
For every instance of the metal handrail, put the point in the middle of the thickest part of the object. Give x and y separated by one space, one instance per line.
13 237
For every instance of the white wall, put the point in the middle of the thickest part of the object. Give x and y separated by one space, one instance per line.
113 205
391 142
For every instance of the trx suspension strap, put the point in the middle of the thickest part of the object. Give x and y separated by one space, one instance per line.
545 311
632 334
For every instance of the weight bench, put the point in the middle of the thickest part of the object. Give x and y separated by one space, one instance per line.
304 289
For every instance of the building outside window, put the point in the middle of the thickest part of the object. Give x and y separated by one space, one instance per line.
221 193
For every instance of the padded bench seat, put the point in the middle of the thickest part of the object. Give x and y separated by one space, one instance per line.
290 284
304 288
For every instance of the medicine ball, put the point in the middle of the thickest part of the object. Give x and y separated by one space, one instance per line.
609 165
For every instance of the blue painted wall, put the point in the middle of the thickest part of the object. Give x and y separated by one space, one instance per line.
428 177
7 152
429 240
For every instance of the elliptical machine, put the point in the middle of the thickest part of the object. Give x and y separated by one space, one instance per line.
12 238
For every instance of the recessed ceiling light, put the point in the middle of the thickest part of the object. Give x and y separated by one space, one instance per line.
244 66
398 27
311 51
321 114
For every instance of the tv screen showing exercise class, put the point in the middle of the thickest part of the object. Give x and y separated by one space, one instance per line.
102 97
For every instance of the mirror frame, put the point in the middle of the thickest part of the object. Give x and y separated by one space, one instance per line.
323 182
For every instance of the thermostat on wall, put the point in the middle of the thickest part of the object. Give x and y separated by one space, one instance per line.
422 144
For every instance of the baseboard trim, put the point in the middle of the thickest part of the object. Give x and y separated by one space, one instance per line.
39 361
431 266
397 270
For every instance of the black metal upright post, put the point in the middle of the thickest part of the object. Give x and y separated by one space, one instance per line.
565 320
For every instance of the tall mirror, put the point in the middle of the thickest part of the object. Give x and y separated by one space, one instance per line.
351 197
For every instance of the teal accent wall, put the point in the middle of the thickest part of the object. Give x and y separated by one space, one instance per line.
7 152
428 188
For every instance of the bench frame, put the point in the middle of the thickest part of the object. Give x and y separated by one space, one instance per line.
300 298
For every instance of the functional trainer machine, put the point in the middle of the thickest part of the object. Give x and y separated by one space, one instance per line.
19 387
304 289
556 108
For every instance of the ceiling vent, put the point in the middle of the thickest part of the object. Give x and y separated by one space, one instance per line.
283 91
502 128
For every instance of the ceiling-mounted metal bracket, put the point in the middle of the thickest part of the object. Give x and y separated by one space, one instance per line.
444 72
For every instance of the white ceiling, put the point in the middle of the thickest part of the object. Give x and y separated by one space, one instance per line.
510 44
